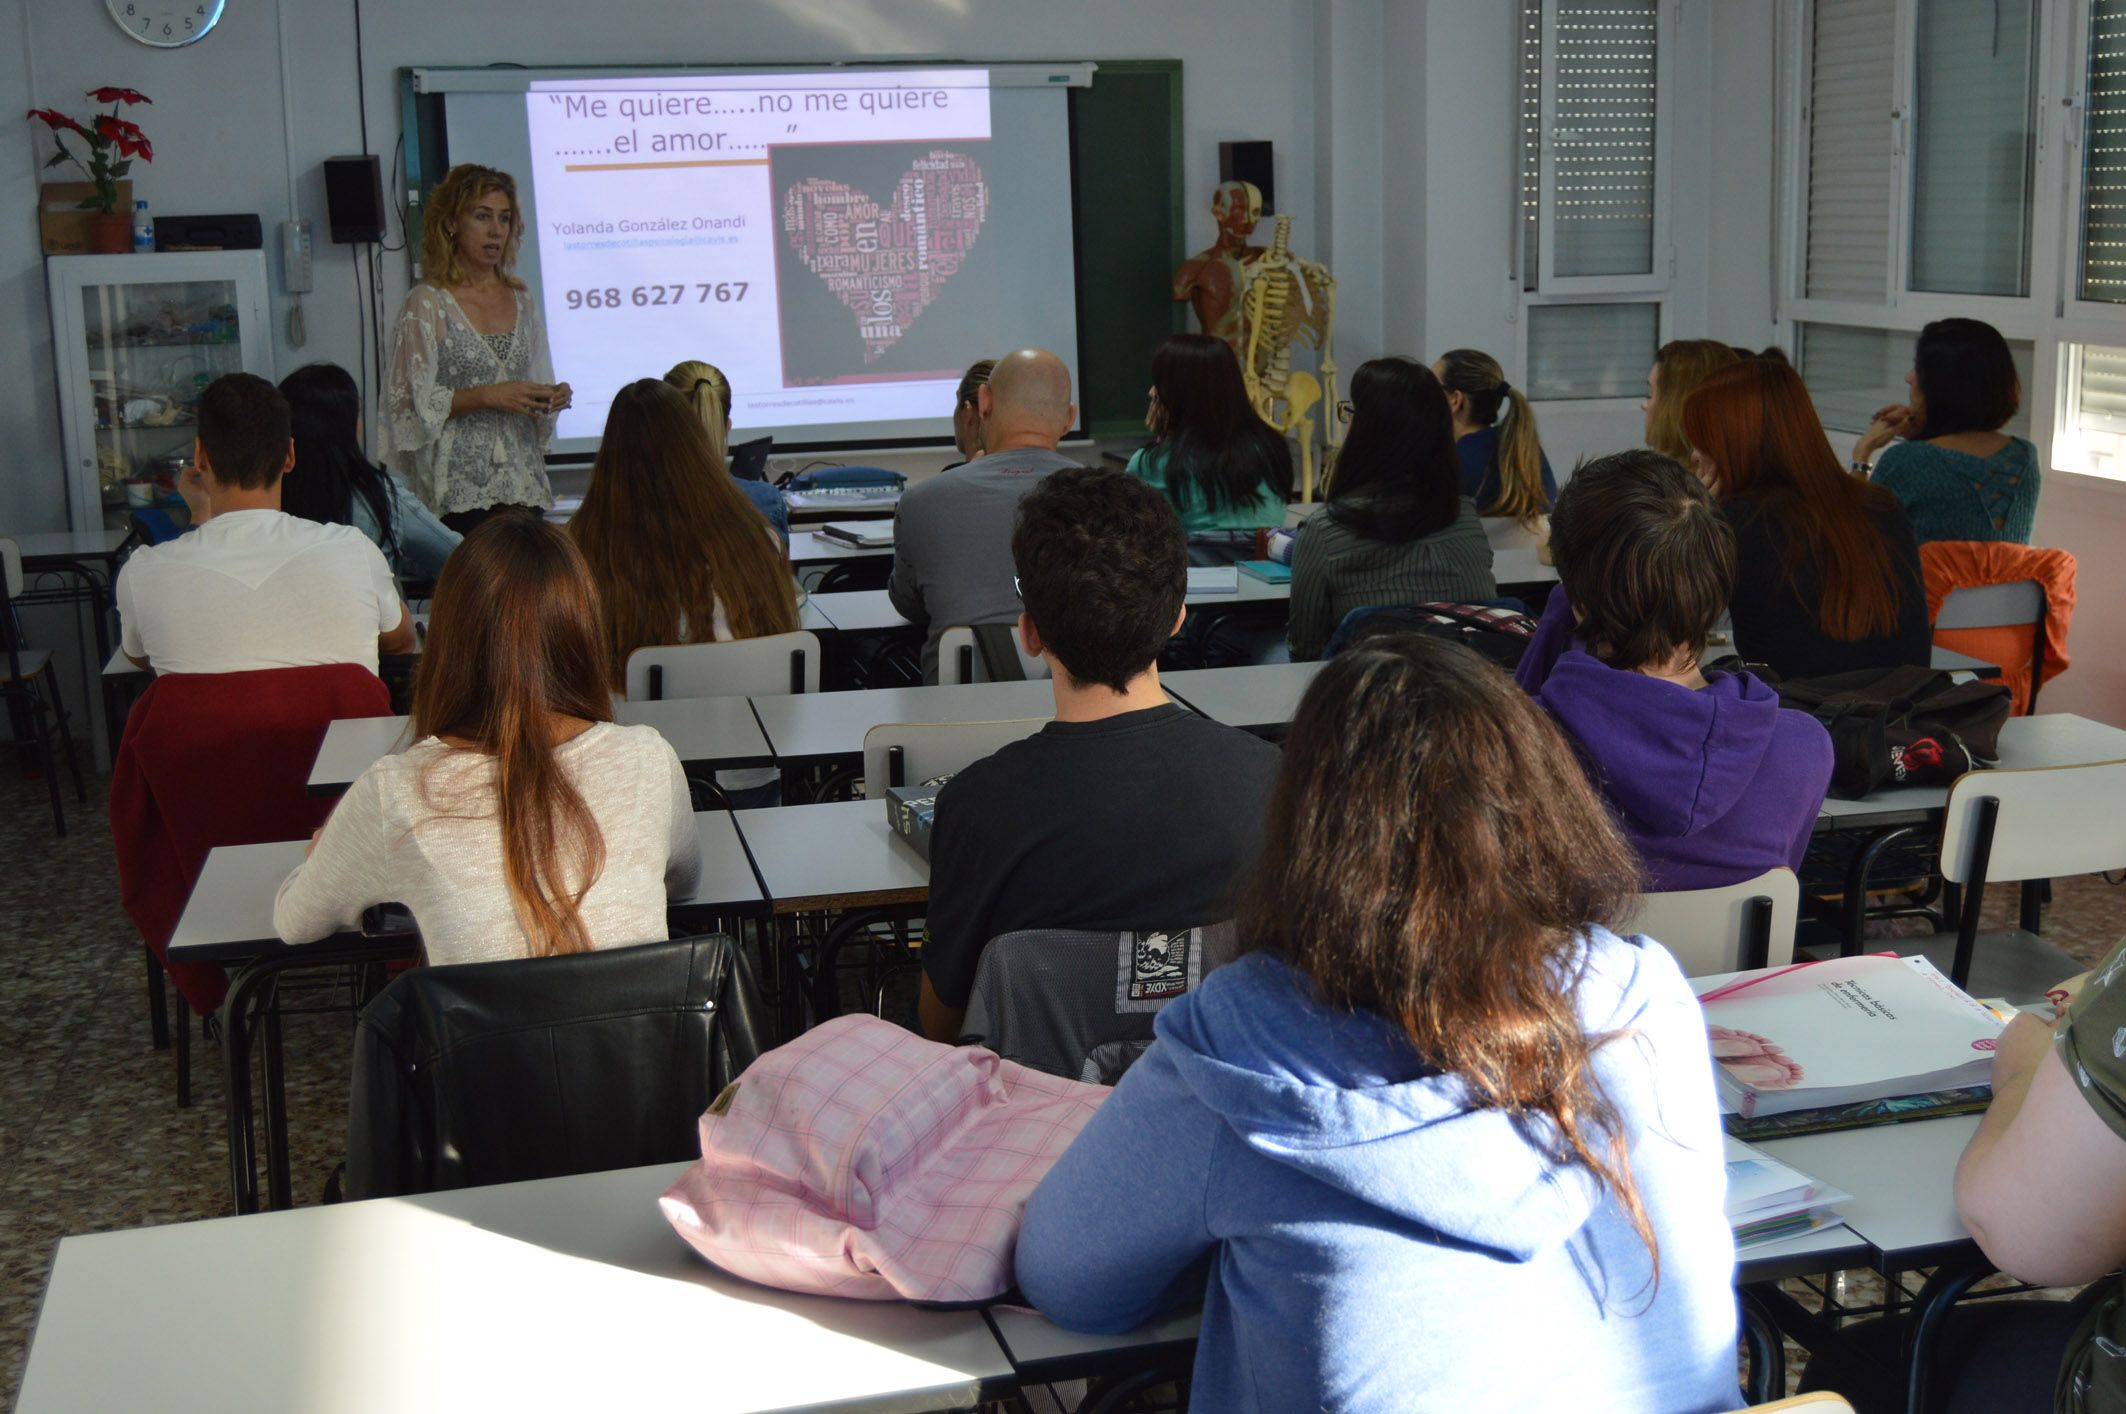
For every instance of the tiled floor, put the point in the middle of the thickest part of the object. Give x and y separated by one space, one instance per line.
90 1134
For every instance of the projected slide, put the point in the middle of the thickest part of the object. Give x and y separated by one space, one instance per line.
841 244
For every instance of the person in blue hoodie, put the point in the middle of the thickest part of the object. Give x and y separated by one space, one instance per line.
1439 1140
1712 780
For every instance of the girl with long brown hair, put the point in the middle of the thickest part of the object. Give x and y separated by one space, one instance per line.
1827 576
522 821
1503 467
469 398
678 553
1435 1095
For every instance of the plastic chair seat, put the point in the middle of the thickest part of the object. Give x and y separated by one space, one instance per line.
33 662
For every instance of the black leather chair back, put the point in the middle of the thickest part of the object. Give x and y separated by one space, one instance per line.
492 1072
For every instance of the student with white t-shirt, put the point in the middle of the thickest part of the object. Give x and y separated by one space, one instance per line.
252 587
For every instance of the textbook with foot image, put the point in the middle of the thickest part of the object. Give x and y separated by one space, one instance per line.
1852 1040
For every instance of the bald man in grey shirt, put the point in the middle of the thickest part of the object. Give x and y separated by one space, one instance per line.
952 537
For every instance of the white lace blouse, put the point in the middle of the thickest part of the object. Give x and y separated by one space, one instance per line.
482 458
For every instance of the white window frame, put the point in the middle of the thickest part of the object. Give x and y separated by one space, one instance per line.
2052 317
1660 277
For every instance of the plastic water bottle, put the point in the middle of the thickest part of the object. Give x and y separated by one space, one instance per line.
143 230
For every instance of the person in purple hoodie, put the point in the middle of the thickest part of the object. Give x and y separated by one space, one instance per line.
1712 780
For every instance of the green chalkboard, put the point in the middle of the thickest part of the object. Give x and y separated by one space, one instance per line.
1126 184
1127 200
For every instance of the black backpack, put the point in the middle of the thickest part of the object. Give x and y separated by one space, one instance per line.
1904 726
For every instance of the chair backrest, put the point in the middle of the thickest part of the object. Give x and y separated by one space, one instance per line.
2044 823
773 666
961 658
902 753
1992 605
1080 1004
1750 924
491 1072
1821 1402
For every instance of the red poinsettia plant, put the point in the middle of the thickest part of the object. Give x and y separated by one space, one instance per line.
113 144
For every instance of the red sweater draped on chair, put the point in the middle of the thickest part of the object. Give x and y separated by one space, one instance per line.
219 759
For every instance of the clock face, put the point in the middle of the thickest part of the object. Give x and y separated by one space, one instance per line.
165 24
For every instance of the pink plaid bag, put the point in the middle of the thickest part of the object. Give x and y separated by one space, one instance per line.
861 1160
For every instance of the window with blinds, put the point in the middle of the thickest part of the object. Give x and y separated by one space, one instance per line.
2103 272
2100 390
1604 69
1851 372
1531 144
1974 133
1580 351
1851 76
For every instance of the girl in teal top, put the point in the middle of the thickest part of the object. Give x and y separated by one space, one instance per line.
1223 467
1958 475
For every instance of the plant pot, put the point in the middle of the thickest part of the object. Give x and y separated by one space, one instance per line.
110 233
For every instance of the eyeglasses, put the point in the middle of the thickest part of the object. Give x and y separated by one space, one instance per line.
1343 410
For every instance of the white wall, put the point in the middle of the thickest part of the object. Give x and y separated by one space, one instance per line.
220 118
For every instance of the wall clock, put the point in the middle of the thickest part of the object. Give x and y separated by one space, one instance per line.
165 24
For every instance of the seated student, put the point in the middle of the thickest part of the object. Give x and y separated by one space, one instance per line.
1713 781
952 534
333 482
1126 811
1227 471
704 386
967 410
1503 469
1827 577
2039 1187
676 553
254 587
1679 367
522 822
1439 1139
1958 476
1396 529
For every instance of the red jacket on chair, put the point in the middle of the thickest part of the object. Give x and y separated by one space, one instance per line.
219 759
1950 565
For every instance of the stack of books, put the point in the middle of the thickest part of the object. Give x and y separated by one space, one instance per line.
1845 1043
1767 1201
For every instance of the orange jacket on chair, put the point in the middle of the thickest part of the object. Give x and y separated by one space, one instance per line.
219 759
1951 565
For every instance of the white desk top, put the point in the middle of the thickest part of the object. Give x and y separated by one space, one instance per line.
815 724
561 1294
2047 739
1265 695
706 732
840 850
1902 1178
809 547
229 916
68 545
870 611
1520 566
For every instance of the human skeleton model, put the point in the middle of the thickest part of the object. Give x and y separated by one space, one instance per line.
1288 301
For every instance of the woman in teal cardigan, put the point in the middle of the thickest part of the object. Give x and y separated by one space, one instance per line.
1227 471
1959 476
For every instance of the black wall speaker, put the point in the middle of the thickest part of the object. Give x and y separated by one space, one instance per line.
1249 162
354 199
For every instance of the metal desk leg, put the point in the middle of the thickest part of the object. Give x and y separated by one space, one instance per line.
278 1186
249 981
1856 887
1930 1314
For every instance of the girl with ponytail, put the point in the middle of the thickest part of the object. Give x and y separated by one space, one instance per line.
522 822
1503 467
709 393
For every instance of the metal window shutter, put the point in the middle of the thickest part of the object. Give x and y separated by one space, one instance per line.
1602 137
2101 396
2104 156
1974 131
1850 75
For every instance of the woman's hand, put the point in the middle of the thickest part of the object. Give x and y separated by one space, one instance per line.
560 396
1889 423
527 399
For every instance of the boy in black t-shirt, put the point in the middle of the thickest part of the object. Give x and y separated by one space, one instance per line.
1127 811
